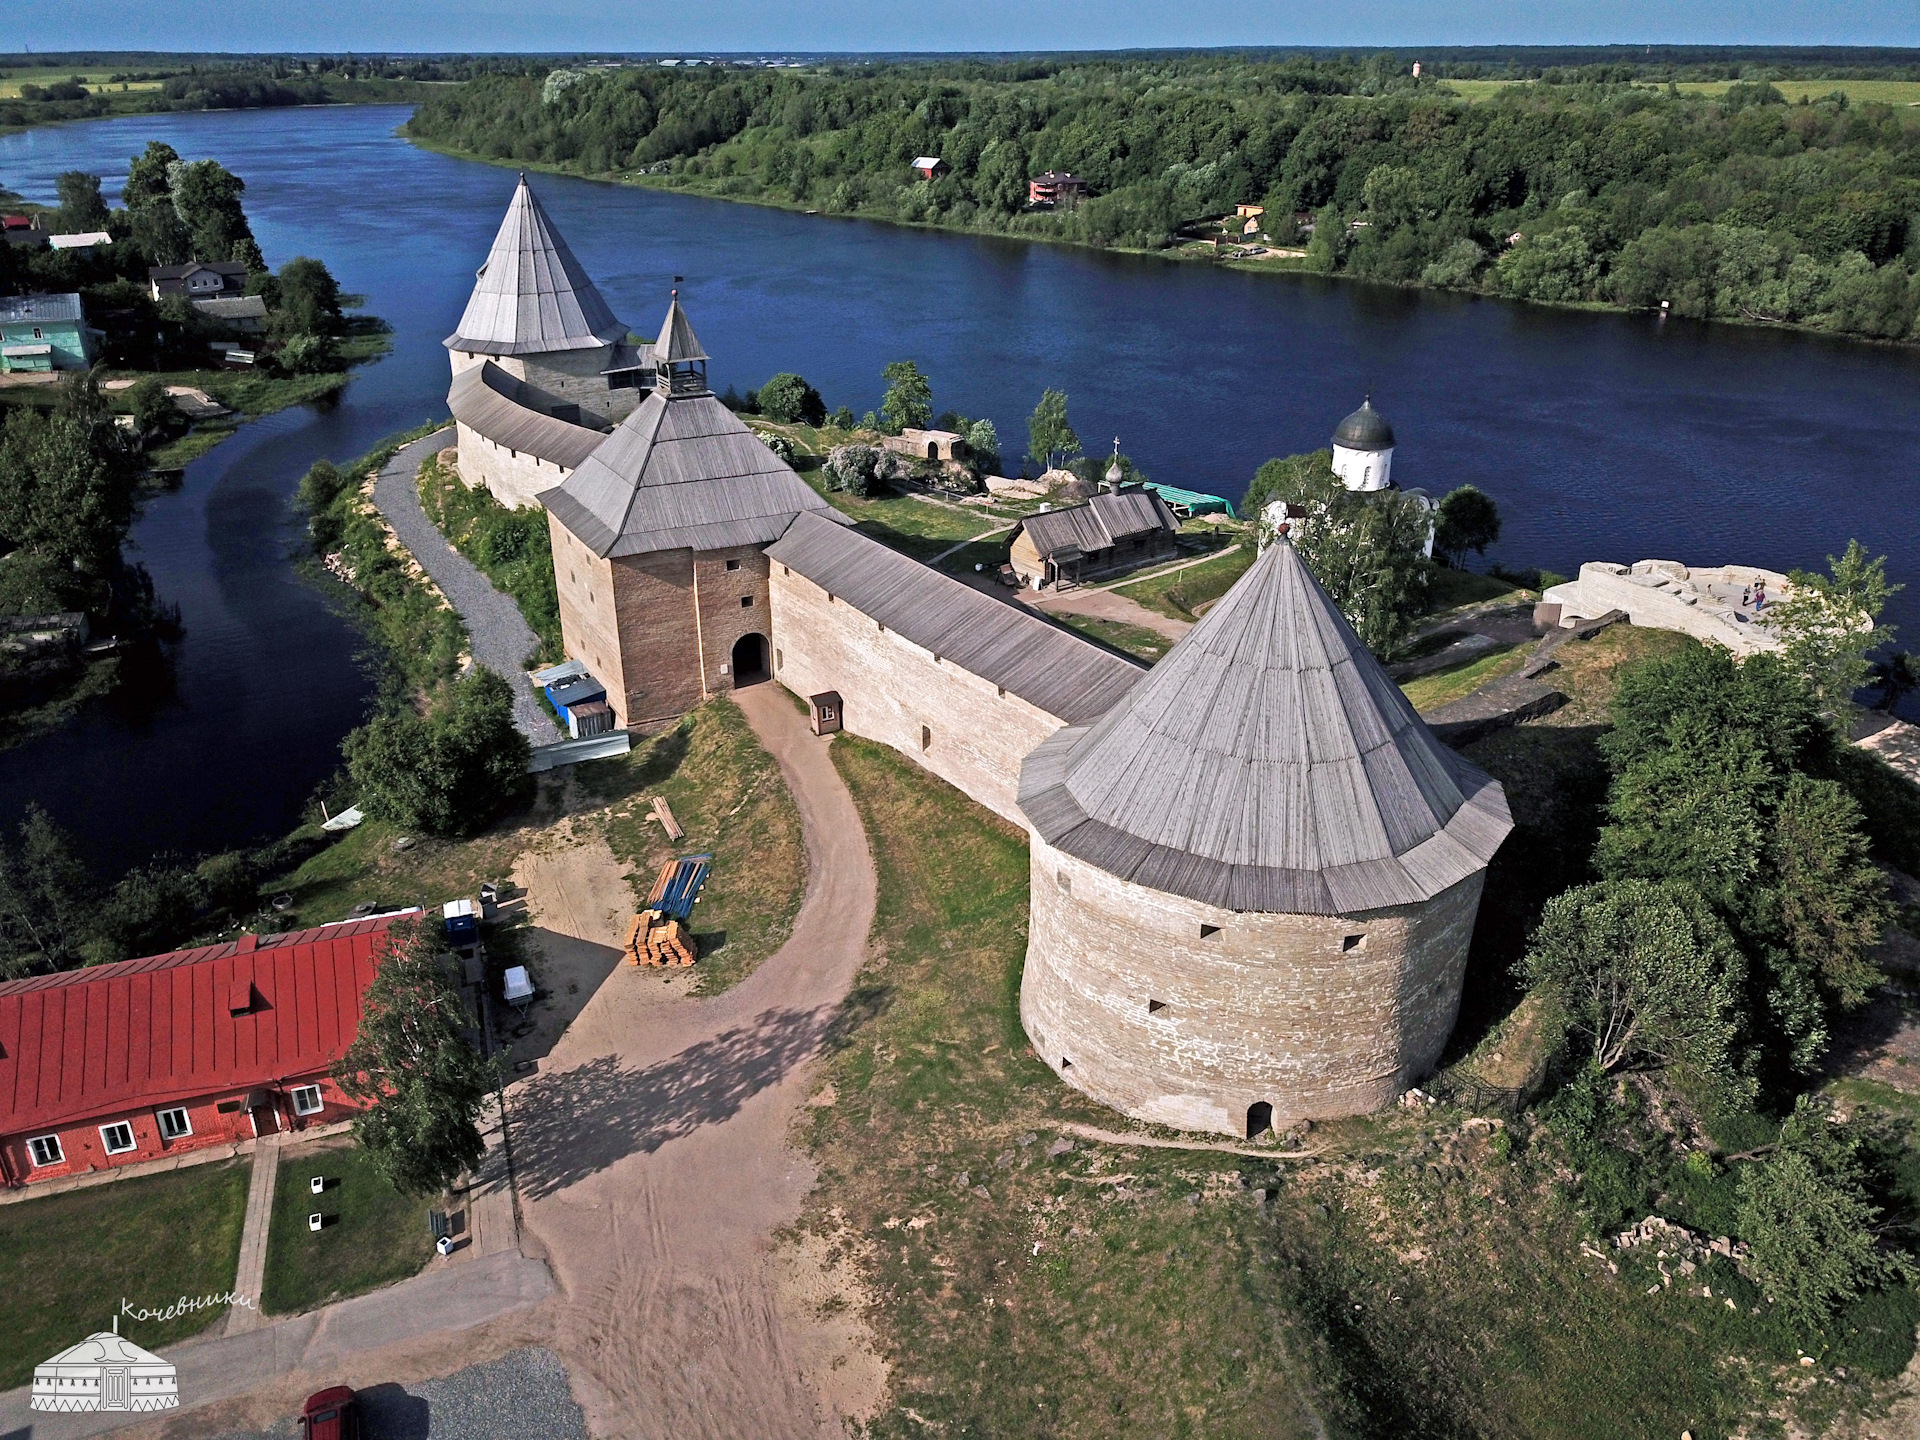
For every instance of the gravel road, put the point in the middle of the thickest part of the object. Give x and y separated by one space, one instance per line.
521 1396
501 638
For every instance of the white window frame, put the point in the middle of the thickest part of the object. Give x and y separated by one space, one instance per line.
299 1092
113 1149
186 1122
33 1151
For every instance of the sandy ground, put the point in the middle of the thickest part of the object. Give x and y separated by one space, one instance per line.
651 1146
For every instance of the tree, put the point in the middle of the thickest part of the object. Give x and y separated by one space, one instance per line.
148 176
308 354
153 409
410 1065
908 404
984 443
1049 437
791 400
67 480
308 299
1368 550
1650 978
1468 520
207 196
47 899
1720 781
1558 265
1457 268
81 208
1001 181
1832 897
449 772
1828 623
1809 1227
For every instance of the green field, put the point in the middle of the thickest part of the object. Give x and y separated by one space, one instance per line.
67 1261
1883 92
94 80
374 1235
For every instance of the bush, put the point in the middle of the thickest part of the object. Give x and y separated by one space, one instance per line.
1808 1224
450 772
1875 1332
791 400
855 469
308 355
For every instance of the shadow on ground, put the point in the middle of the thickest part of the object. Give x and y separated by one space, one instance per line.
571 1124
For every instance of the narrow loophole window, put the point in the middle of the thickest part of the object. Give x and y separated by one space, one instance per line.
733 564
746 602
1063 880
926 738
1207 932
779 659
1154 1007
1065 1064
1353 942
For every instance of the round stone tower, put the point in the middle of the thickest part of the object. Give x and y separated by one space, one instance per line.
1363 449
1255 878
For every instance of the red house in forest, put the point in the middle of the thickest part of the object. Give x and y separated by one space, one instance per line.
116 1064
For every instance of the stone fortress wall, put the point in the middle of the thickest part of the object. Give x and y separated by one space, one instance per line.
964 729
514 477
1187 1015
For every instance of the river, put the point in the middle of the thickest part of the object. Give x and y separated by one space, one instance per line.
1602 436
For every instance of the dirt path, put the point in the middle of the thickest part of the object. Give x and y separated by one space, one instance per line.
652 1149
1111 605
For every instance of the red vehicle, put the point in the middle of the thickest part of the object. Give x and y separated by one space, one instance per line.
330 1415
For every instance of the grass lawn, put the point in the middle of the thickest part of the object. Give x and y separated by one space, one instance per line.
1440 687
374 1235
1414 1278
1450 589
94 80
1134 640
67 1261
1886 92
1176 592
730 798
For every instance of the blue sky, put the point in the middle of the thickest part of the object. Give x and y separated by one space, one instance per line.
759 25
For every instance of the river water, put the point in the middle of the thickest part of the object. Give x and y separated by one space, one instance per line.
1602 436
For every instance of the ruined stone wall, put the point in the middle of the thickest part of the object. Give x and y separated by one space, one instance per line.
961 727
1178 1013
513 477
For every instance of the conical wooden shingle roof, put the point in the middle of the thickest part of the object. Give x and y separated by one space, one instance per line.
1268 764
531 296
681 472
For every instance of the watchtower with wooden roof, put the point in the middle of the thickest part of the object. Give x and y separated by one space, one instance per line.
1255 877
659 540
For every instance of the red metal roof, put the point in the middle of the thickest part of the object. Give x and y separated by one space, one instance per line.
148 1031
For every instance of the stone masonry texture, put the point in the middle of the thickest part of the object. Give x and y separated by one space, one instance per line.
1181 1014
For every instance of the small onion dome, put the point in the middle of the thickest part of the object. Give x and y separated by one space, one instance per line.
1115 474
1365 429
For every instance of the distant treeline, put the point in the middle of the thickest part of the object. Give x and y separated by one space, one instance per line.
1739 205
223 83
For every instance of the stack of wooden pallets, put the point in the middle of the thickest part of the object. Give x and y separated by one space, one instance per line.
659 933
655 939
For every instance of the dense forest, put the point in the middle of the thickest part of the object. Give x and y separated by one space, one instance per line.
1579 189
